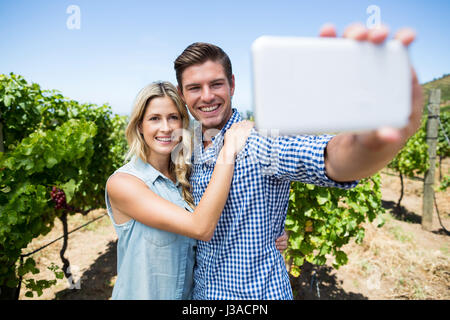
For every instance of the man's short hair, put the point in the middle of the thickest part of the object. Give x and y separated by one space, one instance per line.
198 53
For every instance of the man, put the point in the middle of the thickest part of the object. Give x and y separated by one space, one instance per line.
240 261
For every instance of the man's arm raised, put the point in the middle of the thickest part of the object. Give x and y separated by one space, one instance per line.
355 156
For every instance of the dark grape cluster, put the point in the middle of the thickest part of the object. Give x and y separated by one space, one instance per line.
59 197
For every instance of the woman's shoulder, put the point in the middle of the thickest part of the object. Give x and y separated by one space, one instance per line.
135 167
128 174
123 180
128 166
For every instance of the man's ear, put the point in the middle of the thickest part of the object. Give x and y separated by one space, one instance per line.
232 85
180 93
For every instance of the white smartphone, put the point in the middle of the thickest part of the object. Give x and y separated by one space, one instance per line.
329 85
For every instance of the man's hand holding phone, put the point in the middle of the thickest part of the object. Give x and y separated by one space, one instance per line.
366 153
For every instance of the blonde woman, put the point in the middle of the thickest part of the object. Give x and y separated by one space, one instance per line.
150 203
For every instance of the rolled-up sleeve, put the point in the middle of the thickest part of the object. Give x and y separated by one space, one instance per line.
294 158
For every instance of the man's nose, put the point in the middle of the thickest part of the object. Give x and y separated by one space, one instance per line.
207 94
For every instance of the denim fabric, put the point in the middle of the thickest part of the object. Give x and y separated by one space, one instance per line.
152 263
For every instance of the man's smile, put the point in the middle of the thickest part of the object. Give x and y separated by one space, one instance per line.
209 108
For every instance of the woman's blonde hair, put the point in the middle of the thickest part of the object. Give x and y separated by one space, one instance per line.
181 159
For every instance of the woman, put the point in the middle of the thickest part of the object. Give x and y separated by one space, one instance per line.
150 203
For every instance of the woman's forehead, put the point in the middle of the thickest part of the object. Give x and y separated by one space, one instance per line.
161 105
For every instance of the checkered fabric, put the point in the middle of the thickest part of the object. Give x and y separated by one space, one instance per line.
241 260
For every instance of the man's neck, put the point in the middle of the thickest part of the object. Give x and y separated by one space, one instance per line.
208 141
206 144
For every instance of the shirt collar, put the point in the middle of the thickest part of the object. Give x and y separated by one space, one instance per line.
235 117
209 154
151 174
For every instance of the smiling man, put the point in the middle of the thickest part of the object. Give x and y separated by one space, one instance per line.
210 103
241 261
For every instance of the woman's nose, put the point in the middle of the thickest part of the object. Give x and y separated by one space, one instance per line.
165 125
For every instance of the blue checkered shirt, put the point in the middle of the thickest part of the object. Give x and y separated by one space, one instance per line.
241 260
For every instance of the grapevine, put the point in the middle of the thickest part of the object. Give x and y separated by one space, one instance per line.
322 220
443 144
412 160
57 156
59 198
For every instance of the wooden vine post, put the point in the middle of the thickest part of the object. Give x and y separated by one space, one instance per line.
432 136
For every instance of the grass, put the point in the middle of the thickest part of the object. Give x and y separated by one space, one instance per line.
445 251
442 83
396 230
400 235
419 292
407 269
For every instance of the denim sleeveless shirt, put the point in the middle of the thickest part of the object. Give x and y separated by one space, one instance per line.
152 264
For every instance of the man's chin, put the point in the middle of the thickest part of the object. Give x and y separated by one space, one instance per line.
216 122
211 123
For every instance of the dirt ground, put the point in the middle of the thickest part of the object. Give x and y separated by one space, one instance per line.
396 261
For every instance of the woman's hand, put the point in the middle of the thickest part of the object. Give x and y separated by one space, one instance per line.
282 242
236 137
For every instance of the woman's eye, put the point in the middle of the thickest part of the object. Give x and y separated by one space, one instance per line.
153 118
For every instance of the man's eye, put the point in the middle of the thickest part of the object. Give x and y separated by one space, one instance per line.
217 85
193 88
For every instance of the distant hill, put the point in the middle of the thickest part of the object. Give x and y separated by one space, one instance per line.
442 83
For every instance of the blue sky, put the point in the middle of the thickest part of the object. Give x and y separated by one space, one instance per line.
123 45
